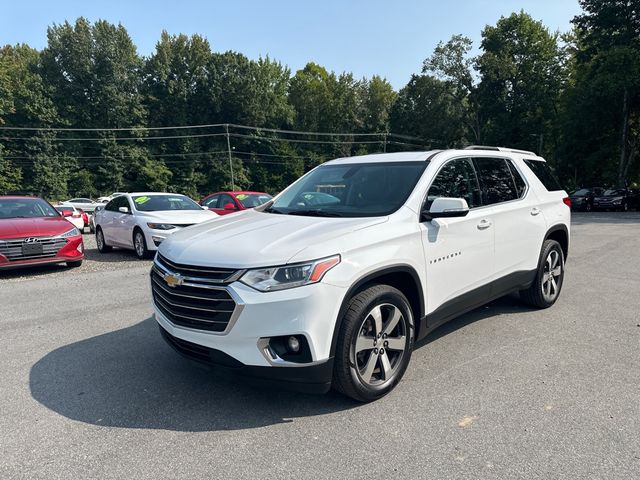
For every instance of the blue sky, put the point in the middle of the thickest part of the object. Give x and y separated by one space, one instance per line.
365 37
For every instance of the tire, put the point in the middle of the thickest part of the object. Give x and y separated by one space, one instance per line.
100 242
74 264
546 288
372 372
140 244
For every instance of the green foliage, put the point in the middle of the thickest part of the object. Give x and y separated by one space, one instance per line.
574 96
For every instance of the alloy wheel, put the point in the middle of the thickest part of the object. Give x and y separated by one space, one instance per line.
551 276
100 240
379 348
139 241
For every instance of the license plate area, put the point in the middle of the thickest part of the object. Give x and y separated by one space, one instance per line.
29 249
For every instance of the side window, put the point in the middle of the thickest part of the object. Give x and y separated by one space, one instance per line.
212 202
224 200
545 174
456 179
112 205
496 180
521 186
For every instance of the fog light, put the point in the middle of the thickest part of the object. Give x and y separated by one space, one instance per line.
293 344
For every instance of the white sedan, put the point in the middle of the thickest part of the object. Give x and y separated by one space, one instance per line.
85 204
72 214
141 221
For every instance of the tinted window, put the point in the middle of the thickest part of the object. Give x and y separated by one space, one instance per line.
544 173
225 200
351 190
521 186
457 179
26 208
158 203
212 202
250 200
496 180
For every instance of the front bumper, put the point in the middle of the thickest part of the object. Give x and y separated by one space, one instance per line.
73 251
314 378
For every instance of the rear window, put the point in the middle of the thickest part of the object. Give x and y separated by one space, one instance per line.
545 174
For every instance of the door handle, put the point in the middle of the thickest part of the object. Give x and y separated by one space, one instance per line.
535 211
484 224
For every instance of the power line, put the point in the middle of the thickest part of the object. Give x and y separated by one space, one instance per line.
212 125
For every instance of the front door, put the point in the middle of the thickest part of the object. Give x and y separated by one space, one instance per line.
458 251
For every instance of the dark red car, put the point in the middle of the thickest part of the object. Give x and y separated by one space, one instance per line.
223 203
32 232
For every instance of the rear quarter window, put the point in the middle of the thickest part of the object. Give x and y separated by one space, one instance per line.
545 174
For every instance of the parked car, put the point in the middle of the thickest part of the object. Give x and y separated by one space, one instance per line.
85 204
224 203
336 290
73 215
103 200
141 221
582 199
32 232
92 218
617 199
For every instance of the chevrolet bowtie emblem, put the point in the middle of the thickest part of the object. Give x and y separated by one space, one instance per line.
173 280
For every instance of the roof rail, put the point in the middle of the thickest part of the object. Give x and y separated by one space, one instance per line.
499 149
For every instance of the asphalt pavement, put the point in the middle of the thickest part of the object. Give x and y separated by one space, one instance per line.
89 390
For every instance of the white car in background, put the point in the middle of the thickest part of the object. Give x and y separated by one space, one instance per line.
72 214
141 221
86 204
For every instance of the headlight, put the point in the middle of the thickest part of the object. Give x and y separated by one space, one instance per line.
161 226
289 276
71 233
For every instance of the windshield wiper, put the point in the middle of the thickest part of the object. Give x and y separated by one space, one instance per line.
273 210
315 213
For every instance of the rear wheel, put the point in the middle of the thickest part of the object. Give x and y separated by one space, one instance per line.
102 245
140 244
545 289
374 343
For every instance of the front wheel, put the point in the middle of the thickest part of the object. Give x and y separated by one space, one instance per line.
140 245
545 289
375 342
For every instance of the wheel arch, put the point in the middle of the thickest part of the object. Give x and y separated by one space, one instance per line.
559 233
403 277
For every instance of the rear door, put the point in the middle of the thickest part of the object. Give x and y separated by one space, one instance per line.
518 221
106 221
458 251
124 223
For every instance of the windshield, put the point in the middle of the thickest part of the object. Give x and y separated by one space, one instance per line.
609 193
26 208
156 203
250 200
582 192
351 190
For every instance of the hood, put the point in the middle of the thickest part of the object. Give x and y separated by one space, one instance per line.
179 216
33 227
254 239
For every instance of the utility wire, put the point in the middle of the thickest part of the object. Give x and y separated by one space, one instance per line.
213 125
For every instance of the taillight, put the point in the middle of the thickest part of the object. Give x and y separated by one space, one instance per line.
567 201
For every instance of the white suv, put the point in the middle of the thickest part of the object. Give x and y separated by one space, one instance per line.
333 281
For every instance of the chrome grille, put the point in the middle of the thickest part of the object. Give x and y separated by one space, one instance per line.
194 302
12 249
203 274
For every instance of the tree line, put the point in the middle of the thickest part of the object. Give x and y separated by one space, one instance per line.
88 115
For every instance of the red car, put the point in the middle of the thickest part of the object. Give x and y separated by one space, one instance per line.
223 203
32 232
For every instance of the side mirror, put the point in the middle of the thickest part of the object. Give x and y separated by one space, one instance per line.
444 207
123 209
229 206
